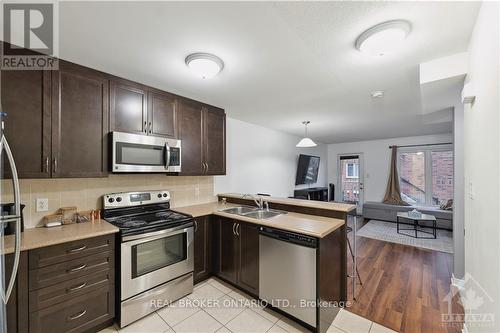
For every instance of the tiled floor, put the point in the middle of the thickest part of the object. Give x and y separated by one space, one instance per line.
217 307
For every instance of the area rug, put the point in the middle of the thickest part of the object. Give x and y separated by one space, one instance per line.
387 231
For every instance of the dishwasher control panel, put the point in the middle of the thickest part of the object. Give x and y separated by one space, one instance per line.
290 237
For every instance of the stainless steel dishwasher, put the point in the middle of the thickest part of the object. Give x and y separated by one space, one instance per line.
287 272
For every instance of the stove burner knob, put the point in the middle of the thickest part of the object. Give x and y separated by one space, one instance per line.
164 195
119 199
111 200
159 195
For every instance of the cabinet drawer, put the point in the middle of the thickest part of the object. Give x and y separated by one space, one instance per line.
67 251
61 292
76 315
60 273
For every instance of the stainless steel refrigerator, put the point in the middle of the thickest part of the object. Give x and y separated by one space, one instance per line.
9 189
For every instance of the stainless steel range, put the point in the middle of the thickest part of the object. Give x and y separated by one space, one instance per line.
156 251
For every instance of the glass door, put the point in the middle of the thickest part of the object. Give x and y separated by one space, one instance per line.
153 255
350 180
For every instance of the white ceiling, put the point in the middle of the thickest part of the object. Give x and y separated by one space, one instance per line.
285 62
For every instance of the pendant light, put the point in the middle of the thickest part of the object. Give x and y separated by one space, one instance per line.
306 141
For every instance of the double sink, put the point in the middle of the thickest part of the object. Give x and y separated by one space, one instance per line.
253 212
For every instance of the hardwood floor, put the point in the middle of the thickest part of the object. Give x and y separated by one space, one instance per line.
403 287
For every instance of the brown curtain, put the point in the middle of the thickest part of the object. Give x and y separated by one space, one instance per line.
393 191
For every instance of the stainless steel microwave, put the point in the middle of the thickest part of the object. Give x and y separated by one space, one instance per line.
142 153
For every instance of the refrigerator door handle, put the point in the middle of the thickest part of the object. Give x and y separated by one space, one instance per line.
4 145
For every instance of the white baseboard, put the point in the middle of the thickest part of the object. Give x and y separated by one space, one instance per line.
458 283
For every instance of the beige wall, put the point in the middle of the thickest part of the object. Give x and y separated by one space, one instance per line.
86 193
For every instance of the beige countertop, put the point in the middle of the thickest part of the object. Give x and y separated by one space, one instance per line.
311 225
336 206
42 237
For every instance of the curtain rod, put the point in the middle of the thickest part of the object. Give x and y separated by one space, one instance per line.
425 144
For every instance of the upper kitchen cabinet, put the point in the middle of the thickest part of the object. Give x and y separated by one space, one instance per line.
142 110
214 135
26 97
79 121
189 122
202 130
162 108
128 102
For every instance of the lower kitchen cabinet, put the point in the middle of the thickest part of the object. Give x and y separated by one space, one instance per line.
202 248
17 306
67 287
79 314
248 259
238 253
226 249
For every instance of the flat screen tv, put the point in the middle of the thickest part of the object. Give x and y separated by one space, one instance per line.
307 169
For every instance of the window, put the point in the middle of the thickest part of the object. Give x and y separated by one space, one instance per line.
351 170
426 175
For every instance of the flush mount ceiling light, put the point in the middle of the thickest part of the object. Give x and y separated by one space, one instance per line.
306 141
377 94
383 38
204 65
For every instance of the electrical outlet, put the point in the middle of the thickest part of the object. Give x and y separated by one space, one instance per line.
42 204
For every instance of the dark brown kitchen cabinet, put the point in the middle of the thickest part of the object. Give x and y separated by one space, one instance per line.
128 107
162 109
139 109
26 98
17 306
214 141
202 130
248 261
202 248
227 251
190 133
71 286
79 121
238 253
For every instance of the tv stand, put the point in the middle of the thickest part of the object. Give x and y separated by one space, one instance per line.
312 193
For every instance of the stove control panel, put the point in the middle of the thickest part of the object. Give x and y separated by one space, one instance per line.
129 199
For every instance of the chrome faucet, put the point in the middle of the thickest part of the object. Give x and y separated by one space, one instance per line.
259 201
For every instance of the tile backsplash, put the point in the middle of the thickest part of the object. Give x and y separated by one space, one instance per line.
86 193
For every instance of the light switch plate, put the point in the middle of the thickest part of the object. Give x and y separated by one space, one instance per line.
42 204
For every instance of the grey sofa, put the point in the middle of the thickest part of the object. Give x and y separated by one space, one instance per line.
381 211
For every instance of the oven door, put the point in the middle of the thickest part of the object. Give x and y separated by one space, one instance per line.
142 153
152 259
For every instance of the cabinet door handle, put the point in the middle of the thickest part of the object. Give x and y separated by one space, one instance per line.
150 128
145 127
238 230
77 287
47 161
78 315
78 249
55 164
195 225
206 169
234 232
76 269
